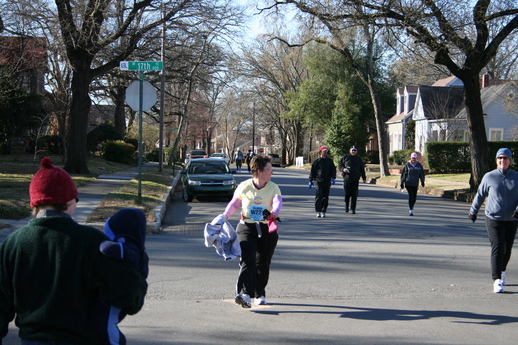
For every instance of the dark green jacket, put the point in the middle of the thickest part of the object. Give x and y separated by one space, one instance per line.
52 273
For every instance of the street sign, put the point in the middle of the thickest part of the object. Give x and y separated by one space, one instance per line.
148 95
141 65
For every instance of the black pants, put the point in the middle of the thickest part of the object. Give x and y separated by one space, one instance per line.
412 195
238 164
322 196
256 256
501 236
351 194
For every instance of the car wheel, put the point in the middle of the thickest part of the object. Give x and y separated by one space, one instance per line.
186 196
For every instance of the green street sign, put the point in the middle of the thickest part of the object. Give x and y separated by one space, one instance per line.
141 65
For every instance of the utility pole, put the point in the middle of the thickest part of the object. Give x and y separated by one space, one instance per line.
162 91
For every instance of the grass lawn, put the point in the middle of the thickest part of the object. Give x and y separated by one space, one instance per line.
153 187
16 174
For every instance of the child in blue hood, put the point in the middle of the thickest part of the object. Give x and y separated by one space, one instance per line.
127 231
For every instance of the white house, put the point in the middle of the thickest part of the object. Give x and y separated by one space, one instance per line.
396 125
435 113
439 114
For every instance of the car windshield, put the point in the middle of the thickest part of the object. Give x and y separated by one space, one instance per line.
218 155
274 155
208 168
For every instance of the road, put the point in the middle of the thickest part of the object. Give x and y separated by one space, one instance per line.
376 277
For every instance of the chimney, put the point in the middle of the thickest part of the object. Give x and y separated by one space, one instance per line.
485 80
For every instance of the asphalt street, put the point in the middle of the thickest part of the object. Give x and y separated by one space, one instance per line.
376 277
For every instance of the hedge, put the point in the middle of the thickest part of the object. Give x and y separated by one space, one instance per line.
454 157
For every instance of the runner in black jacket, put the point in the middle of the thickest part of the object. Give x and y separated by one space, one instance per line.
323 171
352 169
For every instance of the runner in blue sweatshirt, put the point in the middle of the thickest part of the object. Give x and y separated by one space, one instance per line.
500 186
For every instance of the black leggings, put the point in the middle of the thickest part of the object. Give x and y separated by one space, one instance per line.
256 256
412 196
501 236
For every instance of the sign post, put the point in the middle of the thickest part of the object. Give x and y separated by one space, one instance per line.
140 66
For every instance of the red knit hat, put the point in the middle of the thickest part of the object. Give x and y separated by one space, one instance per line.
51 185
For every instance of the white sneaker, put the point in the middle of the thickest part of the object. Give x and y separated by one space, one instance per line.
497 286
319 215
260 301
411 213
503 278
323 214
244 301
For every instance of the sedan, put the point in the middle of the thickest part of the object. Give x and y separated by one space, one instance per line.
276 160
206 177
223 156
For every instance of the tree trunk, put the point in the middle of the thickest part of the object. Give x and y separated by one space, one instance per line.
119 120
476 129
80 110
380 128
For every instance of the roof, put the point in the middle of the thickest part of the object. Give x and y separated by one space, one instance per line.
24 52
400 117
450 81
441 102
496 93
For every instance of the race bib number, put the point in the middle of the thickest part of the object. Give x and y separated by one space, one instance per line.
256 212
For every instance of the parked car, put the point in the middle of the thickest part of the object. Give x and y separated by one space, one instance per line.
207 177
223 156
276 160
195 154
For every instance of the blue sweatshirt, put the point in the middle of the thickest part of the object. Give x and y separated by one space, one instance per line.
501 191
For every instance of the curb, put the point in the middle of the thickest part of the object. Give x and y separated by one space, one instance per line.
161 209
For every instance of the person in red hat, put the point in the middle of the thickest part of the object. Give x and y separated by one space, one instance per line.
323 172
52 271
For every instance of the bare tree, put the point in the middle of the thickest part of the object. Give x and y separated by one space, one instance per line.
334 31
86 31
462 36
270 70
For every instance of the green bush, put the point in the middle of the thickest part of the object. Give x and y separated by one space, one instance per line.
400 157
372 157
100 134
133 142
118 151
453 157
53 144
153 156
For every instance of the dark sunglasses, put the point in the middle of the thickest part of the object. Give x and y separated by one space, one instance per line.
77 200
502 157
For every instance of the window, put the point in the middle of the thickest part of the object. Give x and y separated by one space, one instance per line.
460 135
496 134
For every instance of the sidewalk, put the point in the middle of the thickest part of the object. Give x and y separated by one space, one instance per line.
90 195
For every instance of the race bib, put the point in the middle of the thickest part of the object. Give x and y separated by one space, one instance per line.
256 212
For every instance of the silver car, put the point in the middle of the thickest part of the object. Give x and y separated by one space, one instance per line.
276 160
223 156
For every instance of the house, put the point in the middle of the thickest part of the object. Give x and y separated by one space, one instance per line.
396 125
26 59
439 114
500 104
435 113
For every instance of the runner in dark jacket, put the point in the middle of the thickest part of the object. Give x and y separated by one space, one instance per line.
413 172
323 171
352 168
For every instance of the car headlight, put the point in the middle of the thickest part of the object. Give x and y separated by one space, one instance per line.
229 182
194 183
